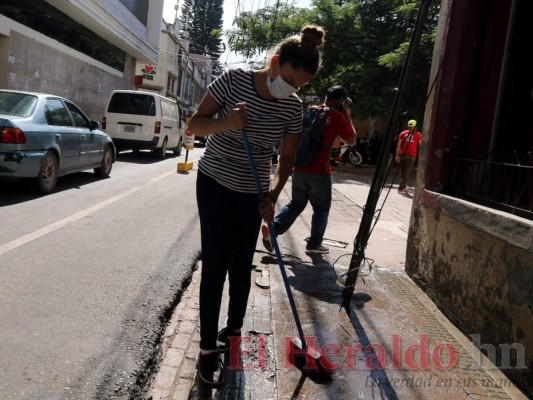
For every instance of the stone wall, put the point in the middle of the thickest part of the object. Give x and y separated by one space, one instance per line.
476 264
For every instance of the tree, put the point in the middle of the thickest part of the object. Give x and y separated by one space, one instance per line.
263 29
414 100
363 38
365 47
202 19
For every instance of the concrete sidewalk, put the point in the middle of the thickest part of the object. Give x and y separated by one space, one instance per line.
392 323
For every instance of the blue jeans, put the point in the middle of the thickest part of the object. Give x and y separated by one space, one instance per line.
315 188
229 223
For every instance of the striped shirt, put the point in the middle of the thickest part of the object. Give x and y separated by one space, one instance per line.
225 158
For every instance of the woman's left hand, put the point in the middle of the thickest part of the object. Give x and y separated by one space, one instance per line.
267 209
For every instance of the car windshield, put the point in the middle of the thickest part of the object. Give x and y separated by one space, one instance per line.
17 104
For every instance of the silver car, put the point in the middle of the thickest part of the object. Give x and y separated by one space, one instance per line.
43 137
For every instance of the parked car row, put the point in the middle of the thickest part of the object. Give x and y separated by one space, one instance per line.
44 136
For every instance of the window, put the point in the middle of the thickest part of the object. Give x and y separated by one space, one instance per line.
174 111
56 113
17 104
170 84
48 20
487 149
132 103
79 119
139 8
165 108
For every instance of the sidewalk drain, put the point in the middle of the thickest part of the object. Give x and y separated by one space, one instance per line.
334 243
414 307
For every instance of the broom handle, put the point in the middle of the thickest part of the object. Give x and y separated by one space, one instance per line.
274 241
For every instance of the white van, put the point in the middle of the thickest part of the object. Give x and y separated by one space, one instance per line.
140 120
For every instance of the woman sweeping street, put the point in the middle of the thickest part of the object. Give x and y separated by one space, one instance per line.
263 102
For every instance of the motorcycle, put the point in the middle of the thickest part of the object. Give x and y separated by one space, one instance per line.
365 151
344 154
369 149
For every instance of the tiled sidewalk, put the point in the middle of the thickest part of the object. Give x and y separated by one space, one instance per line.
386 305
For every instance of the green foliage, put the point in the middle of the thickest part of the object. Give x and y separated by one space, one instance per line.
365 48
202 19
258 32
394 59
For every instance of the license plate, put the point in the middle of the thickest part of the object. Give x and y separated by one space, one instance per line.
129 129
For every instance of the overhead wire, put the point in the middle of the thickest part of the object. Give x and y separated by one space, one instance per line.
240 8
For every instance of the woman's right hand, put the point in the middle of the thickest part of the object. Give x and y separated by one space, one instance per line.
236 118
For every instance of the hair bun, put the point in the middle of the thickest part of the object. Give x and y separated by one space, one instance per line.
313 34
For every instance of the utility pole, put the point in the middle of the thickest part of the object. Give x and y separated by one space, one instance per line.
365 227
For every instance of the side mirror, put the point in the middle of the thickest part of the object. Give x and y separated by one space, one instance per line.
94 125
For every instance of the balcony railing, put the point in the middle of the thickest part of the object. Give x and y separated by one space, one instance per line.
505 184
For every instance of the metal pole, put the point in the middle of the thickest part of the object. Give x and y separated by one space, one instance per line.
363 234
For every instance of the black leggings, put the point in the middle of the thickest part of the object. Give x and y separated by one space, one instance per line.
229 223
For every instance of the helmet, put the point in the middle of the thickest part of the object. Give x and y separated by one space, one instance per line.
411 123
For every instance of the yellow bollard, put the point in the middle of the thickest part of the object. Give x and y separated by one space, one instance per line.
189 145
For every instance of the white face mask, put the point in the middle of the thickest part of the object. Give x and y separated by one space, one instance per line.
280 89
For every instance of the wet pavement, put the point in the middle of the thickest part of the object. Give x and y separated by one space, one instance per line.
393 343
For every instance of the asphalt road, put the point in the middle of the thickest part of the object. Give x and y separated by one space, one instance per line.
89 276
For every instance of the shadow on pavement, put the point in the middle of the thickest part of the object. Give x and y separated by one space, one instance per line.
378 376
322 282
143 157
20 191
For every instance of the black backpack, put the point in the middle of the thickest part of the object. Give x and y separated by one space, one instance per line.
310 140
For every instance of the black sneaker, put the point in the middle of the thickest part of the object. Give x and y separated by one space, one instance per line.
211 369
223 338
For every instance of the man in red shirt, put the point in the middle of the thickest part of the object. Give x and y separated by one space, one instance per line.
312 182
406 150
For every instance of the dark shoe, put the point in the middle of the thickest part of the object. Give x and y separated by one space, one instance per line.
211 369
266 238
318 250
223 338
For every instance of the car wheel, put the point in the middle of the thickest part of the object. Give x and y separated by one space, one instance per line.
177 150
106 164
356 158
47 178
162 151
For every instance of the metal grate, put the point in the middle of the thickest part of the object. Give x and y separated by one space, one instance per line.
504 182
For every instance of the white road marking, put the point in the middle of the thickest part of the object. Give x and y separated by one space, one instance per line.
74 217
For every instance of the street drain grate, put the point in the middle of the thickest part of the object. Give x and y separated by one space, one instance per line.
469 366
334 243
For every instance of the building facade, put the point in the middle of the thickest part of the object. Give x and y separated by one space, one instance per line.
178 73
470 245
80 49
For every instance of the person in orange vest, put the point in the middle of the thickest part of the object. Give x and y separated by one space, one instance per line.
406 150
